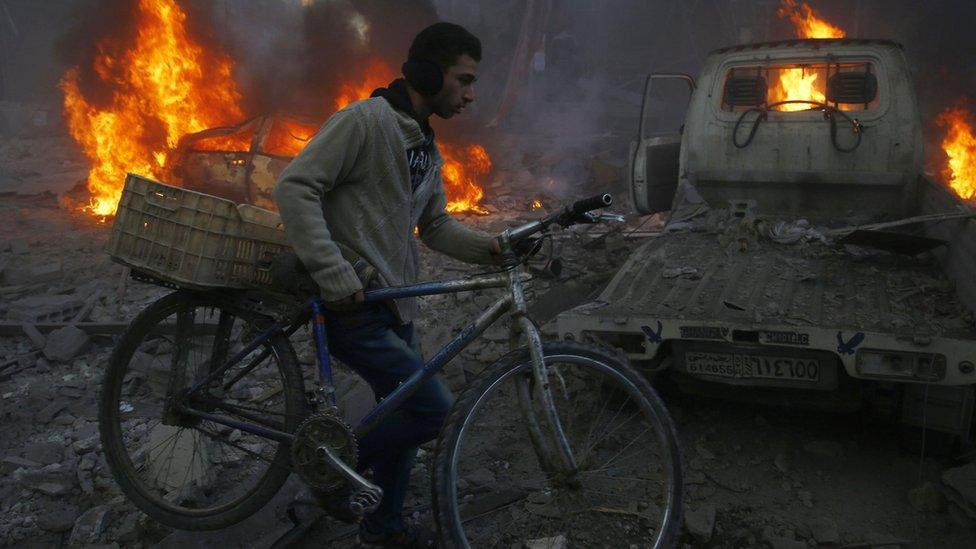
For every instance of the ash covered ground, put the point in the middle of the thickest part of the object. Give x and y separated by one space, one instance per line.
757 476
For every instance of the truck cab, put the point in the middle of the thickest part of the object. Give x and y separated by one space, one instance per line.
773 280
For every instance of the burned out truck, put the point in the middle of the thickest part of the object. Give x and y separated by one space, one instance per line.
806 258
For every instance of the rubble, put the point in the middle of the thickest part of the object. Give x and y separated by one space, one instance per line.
700 523
65 343
49 434
89 526
960 489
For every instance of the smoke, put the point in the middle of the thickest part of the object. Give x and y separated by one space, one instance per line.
293 59
100 25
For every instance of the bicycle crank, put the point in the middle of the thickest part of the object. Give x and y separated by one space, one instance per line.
324 455
365 496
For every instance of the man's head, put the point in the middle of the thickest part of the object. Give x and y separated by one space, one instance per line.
442 67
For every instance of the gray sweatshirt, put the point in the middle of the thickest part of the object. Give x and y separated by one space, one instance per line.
350 189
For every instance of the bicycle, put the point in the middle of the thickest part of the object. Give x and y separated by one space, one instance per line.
204 414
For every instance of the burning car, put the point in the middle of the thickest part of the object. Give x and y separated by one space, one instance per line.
242 162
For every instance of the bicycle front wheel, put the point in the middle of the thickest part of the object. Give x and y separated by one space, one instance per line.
182 470
493 487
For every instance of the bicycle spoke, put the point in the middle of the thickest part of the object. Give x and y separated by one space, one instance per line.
188 471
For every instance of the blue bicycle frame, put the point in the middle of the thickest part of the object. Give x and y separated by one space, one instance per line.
313 311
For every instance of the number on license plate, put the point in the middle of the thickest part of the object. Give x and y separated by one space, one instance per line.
752 366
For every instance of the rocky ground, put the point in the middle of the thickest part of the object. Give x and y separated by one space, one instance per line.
757 476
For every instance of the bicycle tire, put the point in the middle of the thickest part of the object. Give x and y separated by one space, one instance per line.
122 370
446 481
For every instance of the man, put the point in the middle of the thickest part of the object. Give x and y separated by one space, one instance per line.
349 203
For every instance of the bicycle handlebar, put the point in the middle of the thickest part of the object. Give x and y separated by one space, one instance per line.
570 215
592 203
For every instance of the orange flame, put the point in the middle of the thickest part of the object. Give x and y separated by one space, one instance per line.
462 167
806 22
959 145
795 84
288 138
536 204
378 74
164 79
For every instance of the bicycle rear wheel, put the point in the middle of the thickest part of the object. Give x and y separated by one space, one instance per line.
184 471
492 490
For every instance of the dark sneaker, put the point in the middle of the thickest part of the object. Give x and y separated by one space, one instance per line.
336 505
414 537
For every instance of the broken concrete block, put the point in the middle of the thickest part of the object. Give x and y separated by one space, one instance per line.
45 308
12 463
89 526
65 343
36 337
54 488
45 453
58 519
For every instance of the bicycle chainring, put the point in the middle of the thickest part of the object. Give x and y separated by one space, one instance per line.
323 429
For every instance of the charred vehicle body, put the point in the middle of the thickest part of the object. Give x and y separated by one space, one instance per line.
807 258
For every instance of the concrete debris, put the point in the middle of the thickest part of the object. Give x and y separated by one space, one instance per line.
45 308
700 523
786 540
90 525
960 488
58 518
65 343
33 274
824 532
556 542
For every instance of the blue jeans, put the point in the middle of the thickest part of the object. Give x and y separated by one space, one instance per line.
373 342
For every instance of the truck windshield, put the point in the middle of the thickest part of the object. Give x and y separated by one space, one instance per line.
800 87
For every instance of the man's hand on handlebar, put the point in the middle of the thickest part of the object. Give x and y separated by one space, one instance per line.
346 304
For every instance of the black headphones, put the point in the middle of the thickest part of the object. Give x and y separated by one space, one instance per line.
424 76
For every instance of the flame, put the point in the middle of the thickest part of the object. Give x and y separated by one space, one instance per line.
462 166
959 145
378 74
796 84
235 142
806 22
165 80
288 138
536 204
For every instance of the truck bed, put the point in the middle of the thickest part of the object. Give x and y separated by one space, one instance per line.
696 276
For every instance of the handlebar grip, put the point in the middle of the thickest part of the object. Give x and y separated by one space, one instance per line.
592 203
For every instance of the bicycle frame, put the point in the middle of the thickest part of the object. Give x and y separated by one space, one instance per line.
512 303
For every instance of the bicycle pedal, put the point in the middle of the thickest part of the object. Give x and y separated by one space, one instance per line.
365 501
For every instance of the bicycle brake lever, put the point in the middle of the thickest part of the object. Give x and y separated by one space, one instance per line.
608 217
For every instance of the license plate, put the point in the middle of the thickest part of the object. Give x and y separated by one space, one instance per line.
745 366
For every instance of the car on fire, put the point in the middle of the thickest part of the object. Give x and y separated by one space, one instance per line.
241 162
